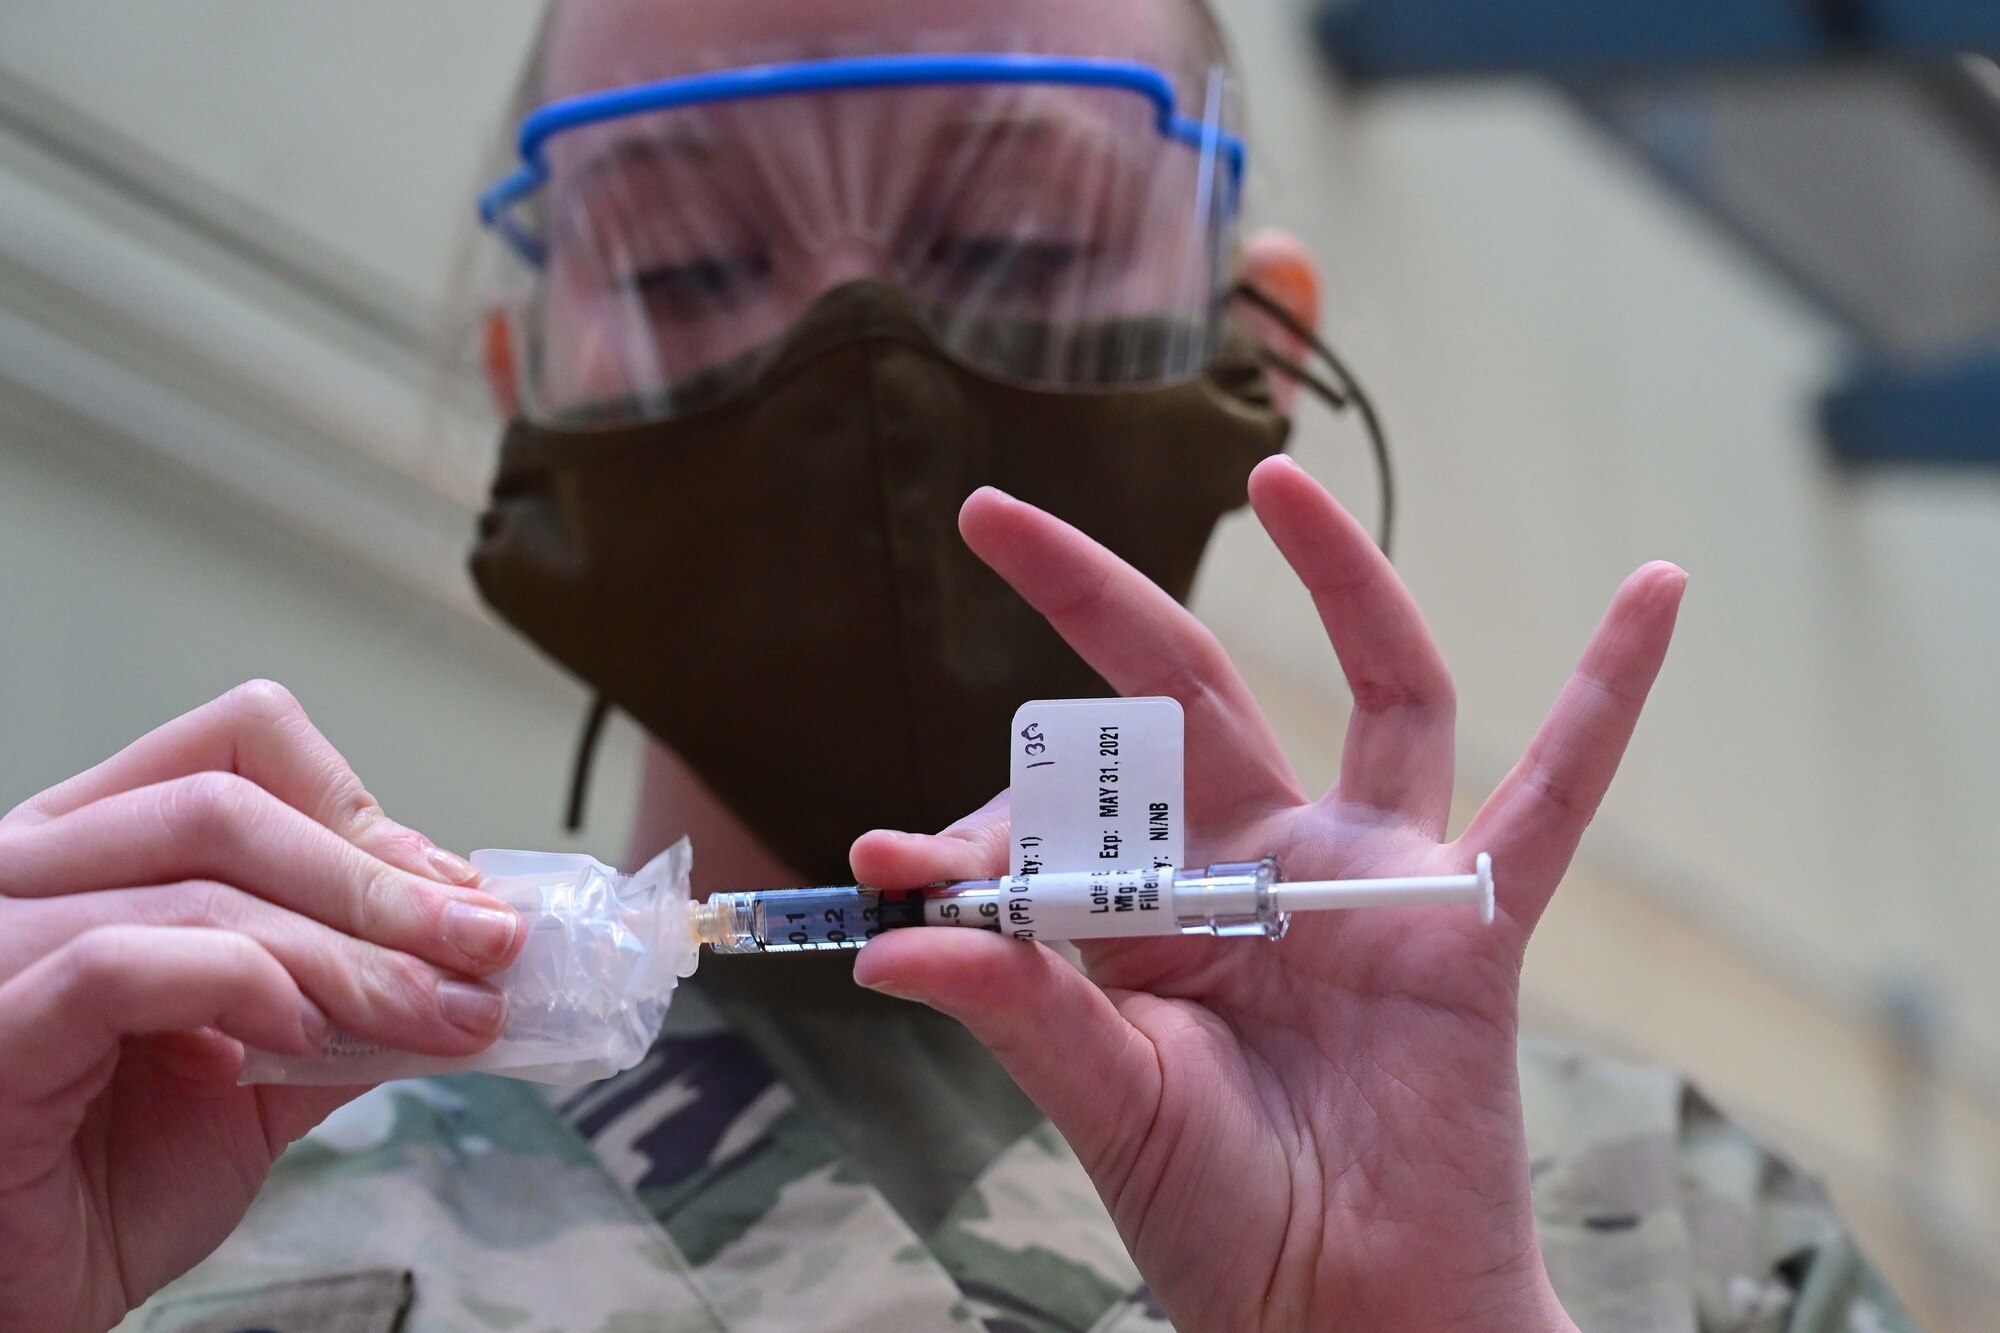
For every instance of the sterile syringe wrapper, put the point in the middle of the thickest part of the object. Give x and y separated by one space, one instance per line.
586 996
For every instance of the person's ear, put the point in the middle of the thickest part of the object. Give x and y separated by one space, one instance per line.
1278 264
496 359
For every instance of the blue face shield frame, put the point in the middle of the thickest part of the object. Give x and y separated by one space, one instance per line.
1204 135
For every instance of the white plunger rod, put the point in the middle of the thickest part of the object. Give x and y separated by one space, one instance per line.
1311 895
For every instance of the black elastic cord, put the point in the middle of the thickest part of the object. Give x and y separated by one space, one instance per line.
586 752
1348 393
1272 357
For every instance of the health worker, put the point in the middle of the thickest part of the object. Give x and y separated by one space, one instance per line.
872 368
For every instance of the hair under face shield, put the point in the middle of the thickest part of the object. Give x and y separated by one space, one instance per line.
1058 221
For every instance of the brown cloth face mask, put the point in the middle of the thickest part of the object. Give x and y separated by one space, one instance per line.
775 586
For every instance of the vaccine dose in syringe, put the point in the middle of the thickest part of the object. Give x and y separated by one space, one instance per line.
1229 899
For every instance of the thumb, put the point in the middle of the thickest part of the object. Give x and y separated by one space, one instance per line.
1060 1037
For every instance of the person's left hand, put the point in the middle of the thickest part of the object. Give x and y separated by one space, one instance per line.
1327 1131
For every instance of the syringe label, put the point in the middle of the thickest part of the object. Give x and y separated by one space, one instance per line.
1099 905
1096 785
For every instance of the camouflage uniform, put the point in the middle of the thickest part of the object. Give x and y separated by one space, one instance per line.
702 1191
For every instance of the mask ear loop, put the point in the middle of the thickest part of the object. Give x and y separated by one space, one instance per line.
586 752
1346 393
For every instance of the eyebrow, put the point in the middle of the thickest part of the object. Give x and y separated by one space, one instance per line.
626 151
1120 167
1035 127
1040 126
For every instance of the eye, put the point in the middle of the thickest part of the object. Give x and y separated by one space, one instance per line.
706 279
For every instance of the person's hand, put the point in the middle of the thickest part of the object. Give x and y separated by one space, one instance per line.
226 879
1325 1132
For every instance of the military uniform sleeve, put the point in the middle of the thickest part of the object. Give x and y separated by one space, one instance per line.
1659 1215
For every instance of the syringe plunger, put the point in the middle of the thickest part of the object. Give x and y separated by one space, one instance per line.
1407 891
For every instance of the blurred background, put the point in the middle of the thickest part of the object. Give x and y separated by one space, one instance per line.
1716 281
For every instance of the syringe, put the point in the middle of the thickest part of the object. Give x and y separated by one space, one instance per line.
1233 898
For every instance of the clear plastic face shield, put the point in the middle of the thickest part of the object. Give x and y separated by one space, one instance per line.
1055 220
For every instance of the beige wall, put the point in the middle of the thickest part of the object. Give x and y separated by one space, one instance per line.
127 598
1581 375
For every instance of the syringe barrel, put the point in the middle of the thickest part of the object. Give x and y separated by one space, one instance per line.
1085 904
1229 899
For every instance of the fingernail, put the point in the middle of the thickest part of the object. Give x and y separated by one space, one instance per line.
888 988
482 934
471 1007
455 868
314 1022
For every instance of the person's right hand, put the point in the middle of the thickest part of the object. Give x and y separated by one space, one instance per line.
224 880
1324 1131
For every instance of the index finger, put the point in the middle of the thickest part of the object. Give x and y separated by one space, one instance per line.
215 826
257 731
1137 637
973 848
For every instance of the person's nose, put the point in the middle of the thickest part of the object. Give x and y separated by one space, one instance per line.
848 259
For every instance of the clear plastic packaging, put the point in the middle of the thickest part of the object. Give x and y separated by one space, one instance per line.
585 998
